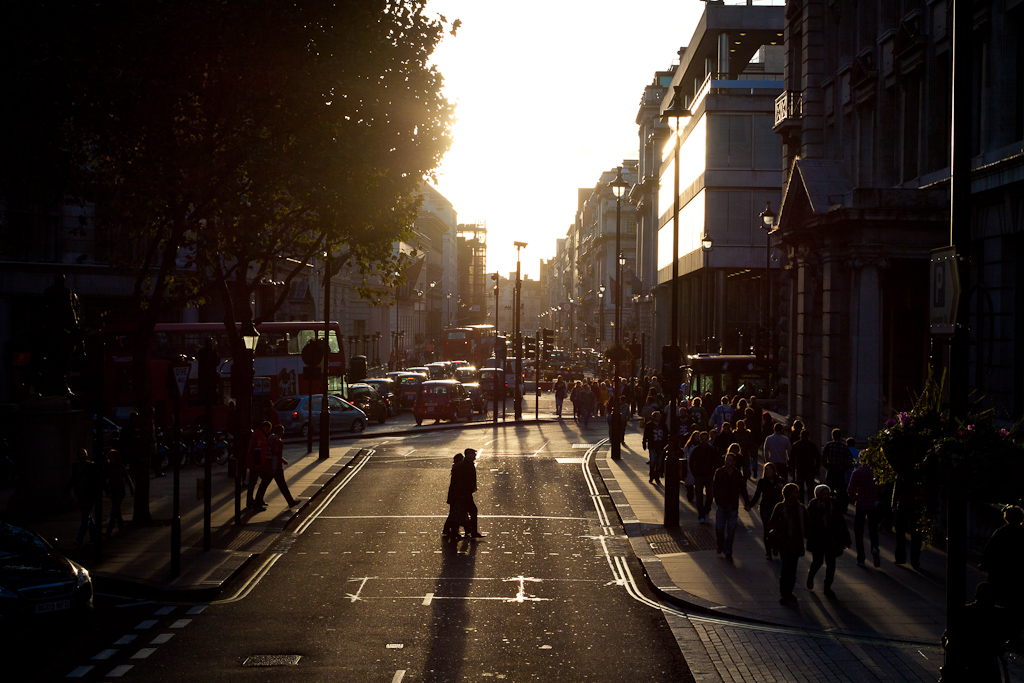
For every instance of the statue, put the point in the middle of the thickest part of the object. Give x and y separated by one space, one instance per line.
59 338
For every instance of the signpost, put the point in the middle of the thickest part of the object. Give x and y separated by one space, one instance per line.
943 292
177 380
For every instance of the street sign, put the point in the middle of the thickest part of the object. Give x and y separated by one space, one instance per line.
943 291
261 386
180 370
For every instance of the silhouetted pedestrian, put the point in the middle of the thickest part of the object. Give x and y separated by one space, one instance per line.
457 515
703 462
1003 559
906 510
827 536
729 486
254 460
769 492
85 483
982 637
655 440
838 461
776 450
118 484
273 468
806 460
464 476
866 495
786 531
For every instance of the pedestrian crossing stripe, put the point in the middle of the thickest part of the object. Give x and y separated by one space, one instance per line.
582 445
569 461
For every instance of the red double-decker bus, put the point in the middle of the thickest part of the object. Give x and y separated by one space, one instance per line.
473 343
278 365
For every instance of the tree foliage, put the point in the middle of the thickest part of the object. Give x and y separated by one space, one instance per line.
217 138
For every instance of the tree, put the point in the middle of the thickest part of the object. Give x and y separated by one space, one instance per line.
225 136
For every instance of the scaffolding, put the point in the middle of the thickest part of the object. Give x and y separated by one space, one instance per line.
473 289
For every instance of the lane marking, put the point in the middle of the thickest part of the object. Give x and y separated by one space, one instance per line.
539 517
124 640
428 599
105 654
181 623
161 639
355 597
540 449
119 671
79 672
143 625
164 611
143 653
399 675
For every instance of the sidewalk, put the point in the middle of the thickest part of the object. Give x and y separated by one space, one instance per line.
891 602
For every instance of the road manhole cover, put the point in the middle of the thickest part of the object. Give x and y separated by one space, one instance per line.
272 660
679 541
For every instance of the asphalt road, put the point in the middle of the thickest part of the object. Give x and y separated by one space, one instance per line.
365 588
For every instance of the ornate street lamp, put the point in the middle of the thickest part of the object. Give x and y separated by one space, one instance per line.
768 225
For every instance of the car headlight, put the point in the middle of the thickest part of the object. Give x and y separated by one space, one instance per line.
83 576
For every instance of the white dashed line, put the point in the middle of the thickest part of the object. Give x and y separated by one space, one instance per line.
105 654
124 640
428 599
181 623
144 652
399 675
79 672
164 611
161 639
143 625
119 671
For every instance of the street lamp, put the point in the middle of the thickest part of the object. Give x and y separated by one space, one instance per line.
600 312
250 337
519 342
768 225
706 245
619 187
671 355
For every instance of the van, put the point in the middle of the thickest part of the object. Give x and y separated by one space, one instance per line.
444 399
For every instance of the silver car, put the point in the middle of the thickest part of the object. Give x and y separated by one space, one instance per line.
294 414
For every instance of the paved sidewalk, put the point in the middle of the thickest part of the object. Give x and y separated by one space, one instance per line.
894 612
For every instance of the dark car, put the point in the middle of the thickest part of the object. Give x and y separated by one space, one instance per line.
366 398
35 579
408 386
477 394
442 399
385 386
487 382
467 374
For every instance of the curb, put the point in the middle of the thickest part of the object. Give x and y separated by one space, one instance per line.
661 583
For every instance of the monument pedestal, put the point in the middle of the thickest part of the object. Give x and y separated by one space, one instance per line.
47 436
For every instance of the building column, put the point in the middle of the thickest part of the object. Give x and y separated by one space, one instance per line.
804 372
866 348
833 343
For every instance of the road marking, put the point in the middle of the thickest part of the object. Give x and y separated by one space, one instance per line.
124 640
399 675
143 653
527 517
198 609
428 599
540 449
395 646
161 639
119 671
181 623
164 611
79 672
148 623
354 597
105 654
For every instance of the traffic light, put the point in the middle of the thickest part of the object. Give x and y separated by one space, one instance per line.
671 376
531 348
548 337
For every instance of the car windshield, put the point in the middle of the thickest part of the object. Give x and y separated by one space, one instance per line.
287 403
412 380
15 541
437 390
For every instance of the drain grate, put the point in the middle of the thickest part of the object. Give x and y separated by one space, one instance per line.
272 660
225 538
680 541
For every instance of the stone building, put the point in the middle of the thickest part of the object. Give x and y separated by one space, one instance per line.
865 125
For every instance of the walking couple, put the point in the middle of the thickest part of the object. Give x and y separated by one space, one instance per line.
462 511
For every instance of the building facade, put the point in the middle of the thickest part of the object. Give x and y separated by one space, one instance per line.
865 125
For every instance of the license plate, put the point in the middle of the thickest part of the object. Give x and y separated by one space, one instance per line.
54 606
430 409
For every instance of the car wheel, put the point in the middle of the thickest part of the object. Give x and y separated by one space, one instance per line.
358 426
383 417
305 430
419 420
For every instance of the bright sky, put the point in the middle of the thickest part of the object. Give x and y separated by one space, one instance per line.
547 94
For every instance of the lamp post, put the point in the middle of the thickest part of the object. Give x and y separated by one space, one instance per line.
619 187
600 313
325 410
670 354
518 399
707 317
768 225
250 336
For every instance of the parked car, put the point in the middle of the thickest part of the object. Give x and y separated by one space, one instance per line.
36 579
422 369
294 414
442 399
388 391
408 386
366 398
476 392
467 374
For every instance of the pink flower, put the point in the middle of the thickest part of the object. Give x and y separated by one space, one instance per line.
1004 432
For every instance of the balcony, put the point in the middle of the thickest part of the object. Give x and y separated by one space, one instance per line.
789 110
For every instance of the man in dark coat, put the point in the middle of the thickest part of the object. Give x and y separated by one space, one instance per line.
729 485
827 536
704 460
464 483
786 531
457 515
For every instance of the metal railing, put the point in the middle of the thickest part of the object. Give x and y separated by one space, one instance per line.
789 107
